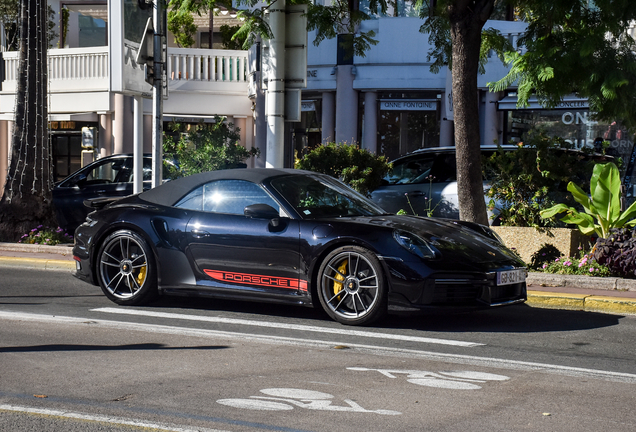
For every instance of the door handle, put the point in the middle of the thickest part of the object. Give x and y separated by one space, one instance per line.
100 191
416 194
199 233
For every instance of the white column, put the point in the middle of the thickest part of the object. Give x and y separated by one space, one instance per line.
275 99
491 119
370 125
119 123
105 147
346 106
328 117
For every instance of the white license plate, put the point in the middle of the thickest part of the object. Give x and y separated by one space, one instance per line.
510 277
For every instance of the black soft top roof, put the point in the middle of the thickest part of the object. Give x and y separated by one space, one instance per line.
171 192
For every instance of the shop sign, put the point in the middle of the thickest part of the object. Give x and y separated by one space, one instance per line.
62 125
408 105
569 102
306 106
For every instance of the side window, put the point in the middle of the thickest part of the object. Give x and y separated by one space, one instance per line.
117 171
445 168
412 170
226 196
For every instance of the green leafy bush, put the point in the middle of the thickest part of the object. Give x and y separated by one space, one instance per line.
602 206
357 167
618 252
191 149
46 236
533 178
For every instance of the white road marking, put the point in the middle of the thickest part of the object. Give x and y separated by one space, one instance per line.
101 419
279 399
370 349
268 324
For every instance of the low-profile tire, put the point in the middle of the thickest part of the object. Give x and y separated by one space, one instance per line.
351 286
126 269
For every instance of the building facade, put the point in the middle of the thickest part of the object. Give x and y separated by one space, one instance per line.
388 101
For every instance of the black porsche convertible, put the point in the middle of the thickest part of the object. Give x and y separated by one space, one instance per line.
290 236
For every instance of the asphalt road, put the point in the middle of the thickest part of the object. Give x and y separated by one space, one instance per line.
72 360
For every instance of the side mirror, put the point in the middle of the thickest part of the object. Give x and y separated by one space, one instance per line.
261 211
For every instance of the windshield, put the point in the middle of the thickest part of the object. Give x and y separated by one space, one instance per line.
317 196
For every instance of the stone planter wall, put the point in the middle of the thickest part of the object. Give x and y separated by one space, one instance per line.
526 241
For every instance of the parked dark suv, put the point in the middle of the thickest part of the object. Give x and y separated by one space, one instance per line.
111 176
428 179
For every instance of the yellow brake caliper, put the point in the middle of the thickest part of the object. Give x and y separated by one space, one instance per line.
337 286
141 276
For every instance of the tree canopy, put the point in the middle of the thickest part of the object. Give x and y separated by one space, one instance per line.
577 46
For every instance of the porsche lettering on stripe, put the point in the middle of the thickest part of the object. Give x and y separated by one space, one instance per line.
254 279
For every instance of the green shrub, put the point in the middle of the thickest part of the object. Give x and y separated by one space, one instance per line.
357 167
602 206
191 149
534 178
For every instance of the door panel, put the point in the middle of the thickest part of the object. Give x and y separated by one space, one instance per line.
240 253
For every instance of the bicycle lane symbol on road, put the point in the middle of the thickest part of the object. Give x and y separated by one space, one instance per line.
282 399
453 380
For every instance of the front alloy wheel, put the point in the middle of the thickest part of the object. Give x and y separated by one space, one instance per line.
126 270
351 286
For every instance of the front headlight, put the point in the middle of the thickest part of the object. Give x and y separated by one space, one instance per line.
414 244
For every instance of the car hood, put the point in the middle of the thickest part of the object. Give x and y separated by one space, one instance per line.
453 239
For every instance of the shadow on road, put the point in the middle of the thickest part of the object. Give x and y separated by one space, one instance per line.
512 319
129 347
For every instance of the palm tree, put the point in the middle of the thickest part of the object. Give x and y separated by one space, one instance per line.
26 202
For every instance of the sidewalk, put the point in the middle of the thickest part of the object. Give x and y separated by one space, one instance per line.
593 294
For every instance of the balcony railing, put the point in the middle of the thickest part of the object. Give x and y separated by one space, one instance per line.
87 69
207 65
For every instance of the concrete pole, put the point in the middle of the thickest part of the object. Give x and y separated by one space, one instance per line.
275 99
138 144
157 96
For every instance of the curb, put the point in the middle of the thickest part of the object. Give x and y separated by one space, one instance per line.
37 248
587 282
36 263
584 302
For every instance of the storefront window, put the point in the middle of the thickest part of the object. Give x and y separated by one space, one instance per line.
307 133
575 126
67 151
406 124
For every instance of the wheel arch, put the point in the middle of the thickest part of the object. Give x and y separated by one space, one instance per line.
122 226
314 268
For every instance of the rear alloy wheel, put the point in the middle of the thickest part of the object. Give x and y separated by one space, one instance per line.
126 269
351 286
